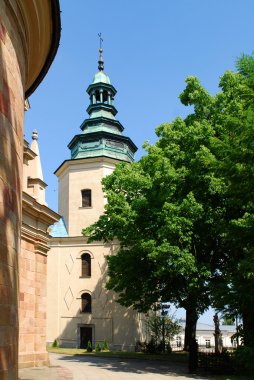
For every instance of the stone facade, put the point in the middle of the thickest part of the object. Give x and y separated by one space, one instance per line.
75 175
79 306
36 219
21 70
121 327
12 78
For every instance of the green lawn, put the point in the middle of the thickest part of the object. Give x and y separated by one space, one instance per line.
179 357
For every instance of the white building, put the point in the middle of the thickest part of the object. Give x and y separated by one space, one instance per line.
205 336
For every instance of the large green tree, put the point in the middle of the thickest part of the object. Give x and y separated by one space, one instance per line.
164 210
234 283
183 214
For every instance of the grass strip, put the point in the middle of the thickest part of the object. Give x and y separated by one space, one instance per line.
176 357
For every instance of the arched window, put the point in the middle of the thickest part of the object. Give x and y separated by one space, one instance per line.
86 265
86 303
105 96
97 96
86 198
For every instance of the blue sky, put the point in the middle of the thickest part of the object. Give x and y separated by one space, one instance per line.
150 47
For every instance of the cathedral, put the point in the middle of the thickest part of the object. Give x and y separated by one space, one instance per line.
79 307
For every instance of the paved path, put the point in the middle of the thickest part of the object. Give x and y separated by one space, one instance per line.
68 367
45 373
96 368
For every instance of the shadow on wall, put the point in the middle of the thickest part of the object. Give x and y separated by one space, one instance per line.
11 152
119 326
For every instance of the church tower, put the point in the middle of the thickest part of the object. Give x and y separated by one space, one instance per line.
80 309
94 154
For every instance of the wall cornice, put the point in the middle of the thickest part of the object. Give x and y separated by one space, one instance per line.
36 219
80 241
39 27
38 211
100 160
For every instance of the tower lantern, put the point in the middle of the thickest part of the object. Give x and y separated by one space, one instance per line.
101 132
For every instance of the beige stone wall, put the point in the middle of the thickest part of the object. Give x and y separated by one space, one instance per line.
121 327
77 176
12 77
32 337
26 47
36 219
63 196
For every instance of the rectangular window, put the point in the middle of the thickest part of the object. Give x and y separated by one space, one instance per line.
208 343
178 341
86 198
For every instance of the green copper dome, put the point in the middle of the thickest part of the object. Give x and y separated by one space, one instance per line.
101 77
101 133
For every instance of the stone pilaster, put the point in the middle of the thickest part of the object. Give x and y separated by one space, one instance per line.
36 220
12 75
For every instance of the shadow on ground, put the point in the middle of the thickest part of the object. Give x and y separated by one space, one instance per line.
132 365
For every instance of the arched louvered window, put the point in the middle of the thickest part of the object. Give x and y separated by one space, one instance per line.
86 198
86 303
85 265
105 96
97 96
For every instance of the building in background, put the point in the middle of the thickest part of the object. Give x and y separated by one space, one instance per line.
80 309
36 219
29 38
205 336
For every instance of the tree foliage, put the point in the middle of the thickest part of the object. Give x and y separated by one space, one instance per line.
162 328
234 288
183 214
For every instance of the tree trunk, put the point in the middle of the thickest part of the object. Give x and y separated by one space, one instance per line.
190 315
190 343
217 334
248 327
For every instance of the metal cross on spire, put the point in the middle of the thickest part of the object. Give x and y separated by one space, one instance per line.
100 62
101 39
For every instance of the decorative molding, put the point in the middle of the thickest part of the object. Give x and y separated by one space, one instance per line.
36 219
41 31
84 251
99 161
69 263
84 291
28 154
68 298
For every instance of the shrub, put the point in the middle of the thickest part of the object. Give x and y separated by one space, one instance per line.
98 347
151 347
55 343
244 358
105 345
89 346
169 348
140 346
